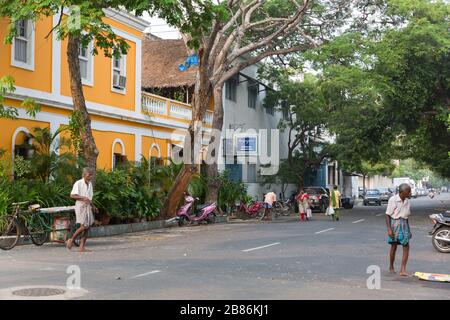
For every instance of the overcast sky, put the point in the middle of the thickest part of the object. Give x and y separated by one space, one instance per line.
159 28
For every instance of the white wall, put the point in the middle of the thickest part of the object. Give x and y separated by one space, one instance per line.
375 181
239 115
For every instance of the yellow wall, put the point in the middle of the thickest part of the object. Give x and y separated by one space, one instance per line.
147 142
101 91
41 77
9 126
104 141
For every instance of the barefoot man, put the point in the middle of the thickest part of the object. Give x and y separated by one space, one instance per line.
397 213
83 192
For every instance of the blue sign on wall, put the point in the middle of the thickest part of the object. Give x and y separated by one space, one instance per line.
246 145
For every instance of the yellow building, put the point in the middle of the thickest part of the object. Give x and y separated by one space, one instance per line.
126 122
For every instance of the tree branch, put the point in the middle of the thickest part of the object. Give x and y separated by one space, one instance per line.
58 24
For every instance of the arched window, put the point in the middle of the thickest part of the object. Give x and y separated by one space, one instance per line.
21 143
155 155
118 153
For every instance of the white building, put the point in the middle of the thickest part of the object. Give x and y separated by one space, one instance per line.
253 126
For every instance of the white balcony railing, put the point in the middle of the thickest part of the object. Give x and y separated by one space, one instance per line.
157 105
154 105
178 110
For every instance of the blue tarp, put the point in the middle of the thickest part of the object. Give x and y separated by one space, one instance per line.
192 60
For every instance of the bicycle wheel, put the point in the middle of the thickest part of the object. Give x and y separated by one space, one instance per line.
9 232
37 230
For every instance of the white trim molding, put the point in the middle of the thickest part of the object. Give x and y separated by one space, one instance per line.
29 65
138 147
123 72
127 19
16 132
112 150
156 146
66 103
56 60
89 81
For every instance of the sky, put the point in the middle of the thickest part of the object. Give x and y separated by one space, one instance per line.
159 28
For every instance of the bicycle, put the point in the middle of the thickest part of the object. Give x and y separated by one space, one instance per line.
37 225
282 208
255 209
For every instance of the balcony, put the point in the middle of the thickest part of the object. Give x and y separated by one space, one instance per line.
159 106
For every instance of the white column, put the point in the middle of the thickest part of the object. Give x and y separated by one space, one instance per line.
138 147
138 76
56 60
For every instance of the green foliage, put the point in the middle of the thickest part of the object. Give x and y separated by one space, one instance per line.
84 20
197 187
306 120
134 190
388 88
22 167
75 128
230 192
194 17
6 165
7 86
417 171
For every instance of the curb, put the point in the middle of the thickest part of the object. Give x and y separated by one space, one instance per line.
113 230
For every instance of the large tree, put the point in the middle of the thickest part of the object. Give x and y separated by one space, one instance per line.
266 30
390 85
305 119
80 22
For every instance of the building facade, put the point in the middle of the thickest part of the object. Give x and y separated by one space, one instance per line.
127 123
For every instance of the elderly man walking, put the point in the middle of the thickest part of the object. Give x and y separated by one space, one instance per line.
83 193
397 213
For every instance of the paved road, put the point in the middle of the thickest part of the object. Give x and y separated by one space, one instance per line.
286 259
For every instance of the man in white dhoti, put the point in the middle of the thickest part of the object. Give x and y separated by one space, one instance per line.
83 193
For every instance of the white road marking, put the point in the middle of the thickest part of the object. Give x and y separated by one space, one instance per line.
357 221
269 245
380 214
146 274
324 230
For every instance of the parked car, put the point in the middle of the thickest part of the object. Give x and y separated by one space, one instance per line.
422 192
372 196
347 202
319 197
386 193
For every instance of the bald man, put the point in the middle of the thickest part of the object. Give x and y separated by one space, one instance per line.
399 233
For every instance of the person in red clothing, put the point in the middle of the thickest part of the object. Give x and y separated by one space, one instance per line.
303 204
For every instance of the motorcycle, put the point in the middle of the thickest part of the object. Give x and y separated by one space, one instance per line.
441 232
186 214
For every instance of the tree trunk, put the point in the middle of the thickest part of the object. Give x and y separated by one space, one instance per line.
364 184
212 170
200 102
89 151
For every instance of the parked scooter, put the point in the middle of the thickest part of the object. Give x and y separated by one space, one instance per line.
186 214
441 232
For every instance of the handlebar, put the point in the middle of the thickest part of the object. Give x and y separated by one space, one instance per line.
20 203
